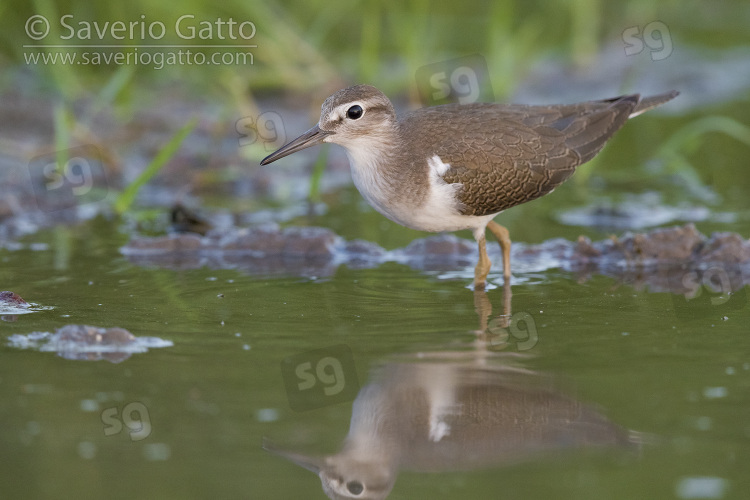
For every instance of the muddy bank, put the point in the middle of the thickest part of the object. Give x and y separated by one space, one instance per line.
43 186
660 258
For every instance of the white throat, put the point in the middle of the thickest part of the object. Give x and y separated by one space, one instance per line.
371 177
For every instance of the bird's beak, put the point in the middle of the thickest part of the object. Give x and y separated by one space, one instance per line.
310 138
312 464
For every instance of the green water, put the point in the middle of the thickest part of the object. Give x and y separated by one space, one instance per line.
212 398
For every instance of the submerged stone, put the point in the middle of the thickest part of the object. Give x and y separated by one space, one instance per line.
80 336
88 343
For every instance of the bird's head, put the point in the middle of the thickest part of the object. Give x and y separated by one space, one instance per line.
359 117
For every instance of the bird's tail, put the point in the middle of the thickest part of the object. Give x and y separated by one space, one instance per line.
651 102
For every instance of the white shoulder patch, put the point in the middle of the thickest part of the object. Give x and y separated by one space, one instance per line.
437 166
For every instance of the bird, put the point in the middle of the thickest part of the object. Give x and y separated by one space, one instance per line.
457 166
448 412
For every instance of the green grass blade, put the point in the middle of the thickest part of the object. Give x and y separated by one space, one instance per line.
125 199
114 86
317 174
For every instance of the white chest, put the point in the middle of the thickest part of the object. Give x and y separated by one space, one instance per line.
435 211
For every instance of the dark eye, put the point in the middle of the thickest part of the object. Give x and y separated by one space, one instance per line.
354 112
355 487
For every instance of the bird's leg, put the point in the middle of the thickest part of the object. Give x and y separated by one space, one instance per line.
503 236
483 266
483 308
507 300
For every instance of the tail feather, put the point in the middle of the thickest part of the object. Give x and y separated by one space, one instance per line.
596 129
651 102
587 133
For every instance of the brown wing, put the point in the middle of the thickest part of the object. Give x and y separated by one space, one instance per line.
507 155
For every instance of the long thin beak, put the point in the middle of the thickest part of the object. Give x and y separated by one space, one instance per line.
310 138
310 463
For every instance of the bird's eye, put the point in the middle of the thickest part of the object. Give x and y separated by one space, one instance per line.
355 112
355 487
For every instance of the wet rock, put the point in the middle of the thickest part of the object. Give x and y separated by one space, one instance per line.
726 247
584 248
88 343
361 254
659 258
555 249
84 335
12 306
674 244
444 251
676 259
12 299
264 249
270 240
363 249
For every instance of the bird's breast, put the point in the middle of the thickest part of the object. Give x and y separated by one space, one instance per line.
413 195
380 187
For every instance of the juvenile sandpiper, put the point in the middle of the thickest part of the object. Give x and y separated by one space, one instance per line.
457 166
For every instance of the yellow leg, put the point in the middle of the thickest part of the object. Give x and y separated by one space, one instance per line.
483 308
483 266
503 236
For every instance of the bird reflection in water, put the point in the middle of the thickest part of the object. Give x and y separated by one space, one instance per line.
454 410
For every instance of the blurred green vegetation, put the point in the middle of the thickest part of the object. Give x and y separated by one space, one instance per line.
313 47
306 45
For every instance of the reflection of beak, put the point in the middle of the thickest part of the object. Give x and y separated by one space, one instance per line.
310 138
309 463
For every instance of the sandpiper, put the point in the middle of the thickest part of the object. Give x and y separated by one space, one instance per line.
457 166
456 410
